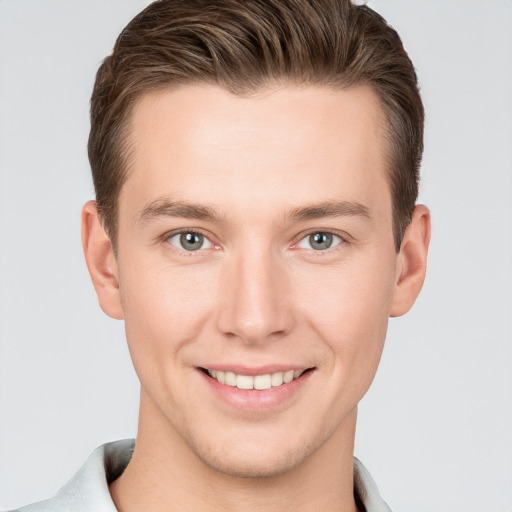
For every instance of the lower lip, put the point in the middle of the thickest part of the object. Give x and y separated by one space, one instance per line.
257 400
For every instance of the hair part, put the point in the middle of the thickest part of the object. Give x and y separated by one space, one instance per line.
246 46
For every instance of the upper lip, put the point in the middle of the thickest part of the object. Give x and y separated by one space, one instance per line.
252 371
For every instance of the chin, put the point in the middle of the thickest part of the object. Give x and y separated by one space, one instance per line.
242 466
254 460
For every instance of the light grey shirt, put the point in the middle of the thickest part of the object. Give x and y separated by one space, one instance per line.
88 491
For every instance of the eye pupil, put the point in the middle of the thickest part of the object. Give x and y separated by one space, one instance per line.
320 241
191 241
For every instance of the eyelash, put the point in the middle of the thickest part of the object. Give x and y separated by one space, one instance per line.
342 240
171 234
319 252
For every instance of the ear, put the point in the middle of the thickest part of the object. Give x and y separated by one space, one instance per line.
101 261
411 262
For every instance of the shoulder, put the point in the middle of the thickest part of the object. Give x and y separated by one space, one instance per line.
88 491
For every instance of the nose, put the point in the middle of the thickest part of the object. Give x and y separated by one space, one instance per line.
256 303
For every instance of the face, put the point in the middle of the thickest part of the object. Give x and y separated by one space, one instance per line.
255 251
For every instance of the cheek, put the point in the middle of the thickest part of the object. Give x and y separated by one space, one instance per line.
349 307
165 307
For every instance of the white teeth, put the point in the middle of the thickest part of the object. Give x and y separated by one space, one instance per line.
260 382
288 376
231 379
277 379
263 381
244 382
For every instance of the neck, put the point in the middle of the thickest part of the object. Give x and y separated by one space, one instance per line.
165 474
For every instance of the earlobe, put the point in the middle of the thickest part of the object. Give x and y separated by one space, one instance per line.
412 262
101 261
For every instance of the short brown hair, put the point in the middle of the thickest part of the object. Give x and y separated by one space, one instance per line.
246 45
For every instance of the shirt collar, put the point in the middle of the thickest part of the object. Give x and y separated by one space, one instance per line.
88 489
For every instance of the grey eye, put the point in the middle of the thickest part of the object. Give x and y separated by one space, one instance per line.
190 241
319 241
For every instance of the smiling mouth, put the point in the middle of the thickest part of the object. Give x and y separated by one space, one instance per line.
258 382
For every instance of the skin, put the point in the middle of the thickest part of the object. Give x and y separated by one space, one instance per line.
267 169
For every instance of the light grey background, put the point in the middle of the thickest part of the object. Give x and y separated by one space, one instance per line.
436 428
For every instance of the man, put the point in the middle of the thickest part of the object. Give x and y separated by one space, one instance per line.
256 171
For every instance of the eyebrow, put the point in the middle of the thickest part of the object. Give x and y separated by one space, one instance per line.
167 208
185 210
330 209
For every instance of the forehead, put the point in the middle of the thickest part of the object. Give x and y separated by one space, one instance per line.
286 147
